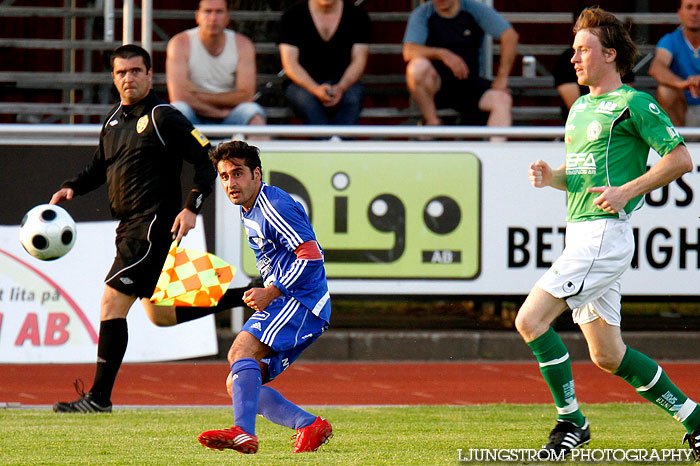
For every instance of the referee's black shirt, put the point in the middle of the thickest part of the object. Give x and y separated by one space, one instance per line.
140 156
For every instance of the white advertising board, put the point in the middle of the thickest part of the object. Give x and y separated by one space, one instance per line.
377 198
50 311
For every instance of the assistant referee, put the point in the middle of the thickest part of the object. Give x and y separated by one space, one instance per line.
142 145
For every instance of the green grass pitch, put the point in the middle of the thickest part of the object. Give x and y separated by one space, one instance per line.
414 435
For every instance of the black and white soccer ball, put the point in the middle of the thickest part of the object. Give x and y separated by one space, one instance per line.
47 232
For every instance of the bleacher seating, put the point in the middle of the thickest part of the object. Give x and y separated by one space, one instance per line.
68 81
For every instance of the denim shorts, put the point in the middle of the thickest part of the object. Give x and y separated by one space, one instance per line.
240 115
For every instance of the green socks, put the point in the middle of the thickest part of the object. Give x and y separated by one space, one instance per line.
652 383
637 369
555 366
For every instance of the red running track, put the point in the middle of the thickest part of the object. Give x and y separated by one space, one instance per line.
395 383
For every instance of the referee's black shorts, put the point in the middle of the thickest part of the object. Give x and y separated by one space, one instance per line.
142 246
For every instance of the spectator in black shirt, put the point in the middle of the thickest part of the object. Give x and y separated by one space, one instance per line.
141 148
324 46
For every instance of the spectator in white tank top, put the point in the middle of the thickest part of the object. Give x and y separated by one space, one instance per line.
211 72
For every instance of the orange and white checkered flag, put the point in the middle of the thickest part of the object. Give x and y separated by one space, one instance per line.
192 278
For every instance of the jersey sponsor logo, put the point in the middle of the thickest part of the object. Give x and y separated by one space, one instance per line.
126 280
264 266
308 335
113 123
673 132
569 139
259 315
568 287
580 164
201 139
606 107
653 108
142 124
257 326
593 131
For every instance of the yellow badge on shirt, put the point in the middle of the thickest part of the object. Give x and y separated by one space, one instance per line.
142 124
202 139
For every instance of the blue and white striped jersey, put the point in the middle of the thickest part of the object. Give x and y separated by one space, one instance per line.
276 225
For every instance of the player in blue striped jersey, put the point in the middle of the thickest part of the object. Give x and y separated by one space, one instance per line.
291 310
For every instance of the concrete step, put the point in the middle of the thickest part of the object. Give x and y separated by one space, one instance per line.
342 345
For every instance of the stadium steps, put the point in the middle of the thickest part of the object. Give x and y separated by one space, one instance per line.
62 95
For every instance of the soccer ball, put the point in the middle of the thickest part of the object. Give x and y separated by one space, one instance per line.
47 232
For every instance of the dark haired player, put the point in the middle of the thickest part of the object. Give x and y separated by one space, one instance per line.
291 311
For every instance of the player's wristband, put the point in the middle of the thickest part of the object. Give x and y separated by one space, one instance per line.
194 201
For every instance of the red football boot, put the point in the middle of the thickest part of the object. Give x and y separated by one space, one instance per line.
311 437
234 438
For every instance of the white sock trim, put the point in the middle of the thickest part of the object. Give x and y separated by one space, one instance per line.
554 362
653 381
568 409
686 410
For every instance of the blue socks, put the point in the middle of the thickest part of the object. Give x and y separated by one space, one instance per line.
276 408
247 381
251 398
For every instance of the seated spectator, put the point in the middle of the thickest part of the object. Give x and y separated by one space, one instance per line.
676 67
442 47
210 71
566 81
324 45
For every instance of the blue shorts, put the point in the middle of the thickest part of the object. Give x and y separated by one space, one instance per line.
288 328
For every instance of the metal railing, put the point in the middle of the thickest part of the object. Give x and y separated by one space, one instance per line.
86 135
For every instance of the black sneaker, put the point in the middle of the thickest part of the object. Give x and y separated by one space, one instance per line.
84 404
693 440
566 436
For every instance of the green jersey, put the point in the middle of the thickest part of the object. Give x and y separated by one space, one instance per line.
607 144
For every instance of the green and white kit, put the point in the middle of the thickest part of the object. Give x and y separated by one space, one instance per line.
607 144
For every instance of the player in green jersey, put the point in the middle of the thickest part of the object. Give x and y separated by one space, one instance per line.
608 136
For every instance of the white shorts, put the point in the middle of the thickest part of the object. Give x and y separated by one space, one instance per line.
587 274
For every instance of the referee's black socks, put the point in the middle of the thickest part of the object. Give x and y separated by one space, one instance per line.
111 347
